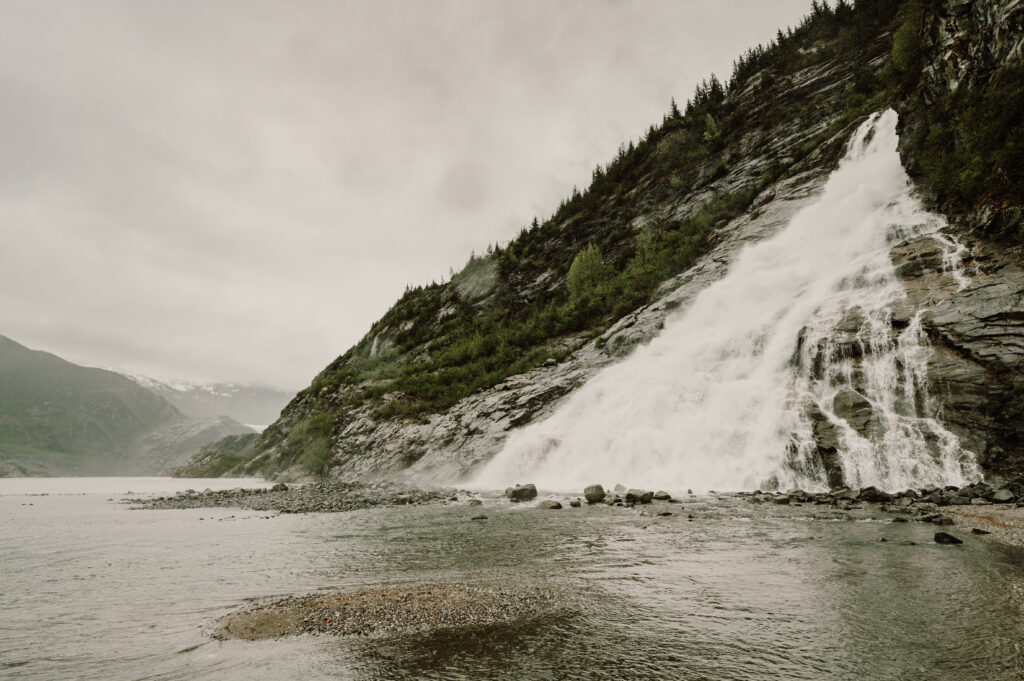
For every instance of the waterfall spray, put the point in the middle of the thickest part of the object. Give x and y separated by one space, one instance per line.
799 334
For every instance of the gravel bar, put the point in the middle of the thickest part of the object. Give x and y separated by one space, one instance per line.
389 611
319 497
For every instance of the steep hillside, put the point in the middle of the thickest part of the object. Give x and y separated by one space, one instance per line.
58 418
437 384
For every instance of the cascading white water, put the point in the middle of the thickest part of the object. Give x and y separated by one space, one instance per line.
722 398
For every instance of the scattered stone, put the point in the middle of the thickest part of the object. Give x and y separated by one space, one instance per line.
1002 496
979 531
619 489
549 504
900 520
522 492
593 494
475 502
945 538
279 487
662 496
479 517
782 500
639 496
665 513
943 520
575 503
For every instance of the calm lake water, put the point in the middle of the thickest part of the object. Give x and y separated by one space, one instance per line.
92 590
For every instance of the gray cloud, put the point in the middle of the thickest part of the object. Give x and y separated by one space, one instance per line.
237 189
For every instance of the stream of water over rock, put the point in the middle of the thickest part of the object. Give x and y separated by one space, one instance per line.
799 331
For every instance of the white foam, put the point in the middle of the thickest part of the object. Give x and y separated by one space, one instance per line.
717 402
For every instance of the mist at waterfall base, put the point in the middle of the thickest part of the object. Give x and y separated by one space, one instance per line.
721 398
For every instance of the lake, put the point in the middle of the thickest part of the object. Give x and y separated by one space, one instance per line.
93 590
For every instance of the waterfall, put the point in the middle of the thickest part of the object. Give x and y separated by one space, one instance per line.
795 343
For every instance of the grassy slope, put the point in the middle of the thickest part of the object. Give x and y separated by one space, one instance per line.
61 417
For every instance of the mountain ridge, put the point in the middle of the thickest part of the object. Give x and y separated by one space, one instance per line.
59 418
437 384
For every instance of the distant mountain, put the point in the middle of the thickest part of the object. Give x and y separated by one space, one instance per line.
58 418
248 404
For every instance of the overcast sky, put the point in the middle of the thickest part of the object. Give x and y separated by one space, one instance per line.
236 190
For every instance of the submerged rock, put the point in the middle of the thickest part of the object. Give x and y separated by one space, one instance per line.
945 538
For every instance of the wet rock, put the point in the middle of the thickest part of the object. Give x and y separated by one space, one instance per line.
856 410
662 496
872 494
943 520
979 531
549 504
781 500
479 517
900 520
594 494
945 538
475 502
575 503
522 492
1003 496
279 487
639 496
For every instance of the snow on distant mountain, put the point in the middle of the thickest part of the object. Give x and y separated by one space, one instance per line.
243 403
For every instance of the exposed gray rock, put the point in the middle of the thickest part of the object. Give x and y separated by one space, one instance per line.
593 494
549 504
522 492
1003 496
639 496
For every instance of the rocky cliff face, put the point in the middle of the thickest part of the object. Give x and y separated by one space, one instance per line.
976 325
973 316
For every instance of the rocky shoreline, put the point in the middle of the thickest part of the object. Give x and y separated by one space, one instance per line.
314 497
978 508
389 611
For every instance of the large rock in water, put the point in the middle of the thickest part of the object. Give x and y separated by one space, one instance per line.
594 494
639 496
522 492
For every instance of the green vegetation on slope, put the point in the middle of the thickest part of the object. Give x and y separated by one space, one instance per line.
57 417
968 144
443 345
